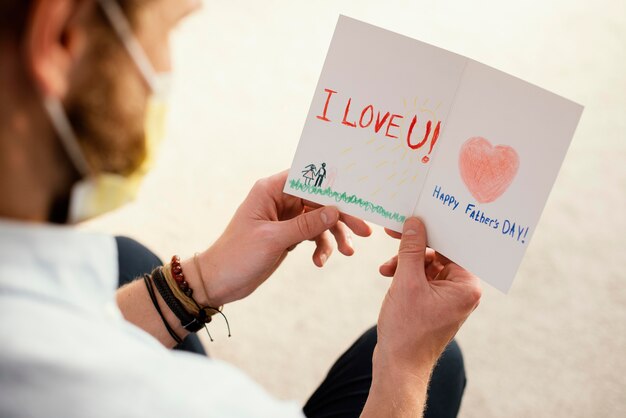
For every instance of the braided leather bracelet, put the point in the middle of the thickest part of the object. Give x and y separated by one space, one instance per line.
187 320
148 281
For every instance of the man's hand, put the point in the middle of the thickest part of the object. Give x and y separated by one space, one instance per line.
428 301
264 229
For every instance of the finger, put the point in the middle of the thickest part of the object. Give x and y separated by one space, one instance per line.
274 185
412 253
455 273
442 259
435 262
466 281
431 266
389 268
343 239
431 255
310 204
306 226
358 226
280 178
323 249
432 270
393 234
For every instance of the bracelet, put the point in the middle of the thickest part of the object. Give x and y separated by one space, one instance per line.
177 273
187 320
175 277
172 286
148 281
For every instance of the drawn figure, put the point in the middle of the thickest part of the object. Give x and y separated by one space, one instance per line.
321 175
309 174
487 171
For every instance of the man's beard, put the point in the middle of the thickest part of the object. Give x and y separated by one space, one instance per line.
106 107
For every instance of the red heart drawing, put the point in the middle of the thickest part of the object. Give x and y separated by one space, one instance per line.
487 170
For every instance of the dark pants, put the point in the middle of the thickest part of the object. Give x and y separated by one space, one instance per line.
344 391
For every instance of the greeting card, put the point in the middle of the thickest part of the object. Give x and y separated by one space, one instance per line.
400 128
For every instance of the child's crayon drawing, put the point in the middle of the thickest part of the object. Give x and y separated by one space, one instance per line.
384 123
487 171
312 174
342 197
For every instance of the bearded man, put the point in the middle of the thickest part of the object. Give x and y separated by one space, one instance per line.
83 86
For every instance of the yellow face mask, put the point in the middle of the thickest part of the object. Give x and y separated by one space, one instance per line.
100 193
105 192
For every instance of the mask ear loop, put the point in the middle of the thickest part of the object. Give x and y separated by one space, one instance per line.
119 22
54 108
66 134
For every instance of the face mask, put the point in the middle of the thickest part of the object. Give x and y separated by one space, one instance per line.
100 193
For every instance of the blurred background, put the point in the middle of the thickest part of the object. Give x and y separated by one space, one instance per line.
245 74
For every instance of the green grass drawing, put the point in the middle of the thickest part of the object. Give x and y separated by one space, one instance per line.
345 198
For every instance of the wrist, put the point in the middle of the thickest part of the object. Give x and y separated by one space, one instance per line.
390 367
189 298
397 390
205 292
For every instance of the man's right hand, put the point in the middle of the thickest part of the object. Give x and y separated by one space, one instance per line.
428 301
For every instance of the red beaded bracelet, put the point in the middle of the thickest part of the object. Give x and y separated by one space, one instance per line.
179 277
176 270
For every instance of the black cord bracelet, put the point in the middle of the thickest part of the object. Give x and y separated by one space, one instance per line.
188 321
148 281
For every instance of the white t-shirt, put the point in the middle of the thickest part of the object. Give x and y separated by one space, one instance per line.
66 351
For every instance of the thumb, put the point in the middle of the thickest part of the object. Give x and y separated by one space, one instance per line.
412 253
307 226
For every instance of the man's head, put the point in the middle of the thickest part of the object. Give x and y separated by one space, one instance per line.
67 49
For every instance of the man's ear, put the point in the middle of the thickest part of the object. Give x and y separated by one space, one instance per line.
55 39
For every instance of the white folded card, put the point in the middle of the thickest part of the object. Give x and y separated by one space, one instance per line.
400 128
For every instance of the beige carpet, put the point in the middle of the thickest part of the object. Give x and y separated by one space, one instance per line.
246 71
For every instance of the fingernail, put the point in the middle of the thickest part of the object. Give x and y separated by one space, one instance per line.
350 240
325 217
410 232
390 261
323 258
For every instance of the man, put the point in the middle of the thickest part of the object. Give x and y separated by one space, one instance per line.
78 77
321 175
